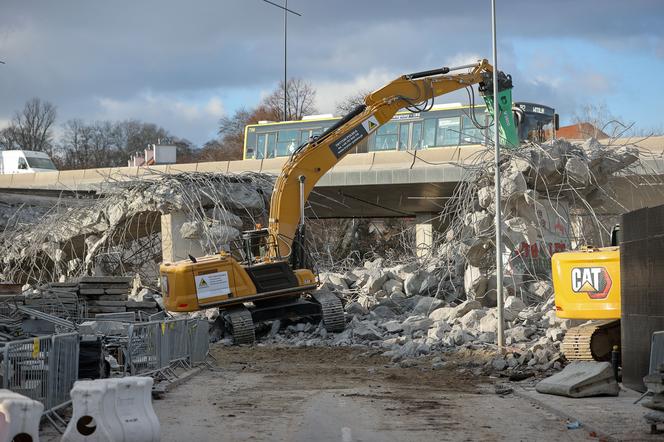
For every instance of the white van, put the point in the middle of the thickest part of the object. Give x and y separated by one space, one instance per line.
25 161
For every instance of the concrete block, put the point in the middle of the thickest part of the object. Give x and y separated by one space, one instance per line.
581 379
19 417
120 409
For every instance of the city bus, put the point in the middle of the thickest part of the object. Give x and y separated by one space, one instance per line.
445 125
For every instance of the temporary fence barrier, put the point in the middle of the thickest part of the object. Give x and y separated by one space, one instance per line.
62 368
199 340
143 352
44 368
178 341
157 347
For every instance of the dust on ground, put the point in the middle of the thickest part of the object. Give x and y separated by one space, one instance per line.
300 394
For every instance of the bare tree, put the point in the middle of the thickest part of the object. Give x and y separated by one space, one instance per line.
31 128
600 121
230 144
300 100
351 102
106 143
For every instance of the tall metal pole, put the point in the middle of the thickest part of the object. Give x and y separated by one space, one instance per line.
286 11
499 233
285 59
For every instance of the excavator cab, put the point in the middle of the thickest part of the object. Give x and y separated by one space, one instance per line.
535 122
255 245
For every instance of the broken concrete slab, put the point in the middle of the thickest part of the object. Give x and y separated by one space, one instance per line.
581 379
108 328
426 306
416 323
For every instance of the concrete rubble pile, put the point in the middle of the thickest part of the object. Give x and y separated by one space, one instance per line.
119 233
446 300
542 187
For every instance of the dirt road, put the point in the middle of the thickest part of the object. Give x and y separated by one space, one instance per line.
343 394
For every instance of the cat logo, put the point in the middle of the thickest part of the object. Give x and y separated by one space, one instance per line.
593 281
203 284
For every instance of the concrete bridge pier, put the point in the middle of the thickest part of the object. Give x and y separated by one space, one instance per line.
173 246
424 225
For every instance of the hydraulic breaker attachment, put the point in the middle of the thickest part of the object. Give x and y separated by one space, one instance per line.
509 136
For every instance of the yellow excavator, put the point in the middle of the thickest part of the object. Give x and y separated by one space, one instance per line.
271 276
586 284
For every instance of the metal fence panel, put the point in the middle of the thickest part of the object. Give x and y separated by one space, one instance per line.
164 349
25 367
144 348
43 368
155 346
178 340
62 368
199 340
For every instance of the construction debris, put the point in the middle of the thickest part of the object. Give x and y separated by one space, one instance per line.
446 300
582 379
118 232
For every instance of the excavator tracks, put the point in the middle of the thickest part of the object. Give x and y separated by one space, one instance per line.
593 341
242 326
332 311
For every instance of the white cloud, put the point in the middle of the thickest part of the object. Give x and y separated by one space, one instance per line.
329 93
192 119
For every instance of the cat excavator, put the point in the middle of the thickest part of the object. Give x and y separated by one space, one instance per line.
586 283
271 276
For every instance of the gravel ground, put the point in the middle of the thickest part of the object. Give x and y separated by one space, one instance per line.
268 393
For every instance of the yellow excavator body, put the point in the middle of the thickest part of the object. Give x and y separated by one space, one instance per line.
587 283
216 281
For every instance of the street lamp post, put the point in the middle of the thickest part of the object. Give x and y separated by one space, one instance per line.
286 11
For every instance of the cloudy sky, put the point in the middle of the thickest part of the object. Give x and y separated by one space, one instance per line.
184 64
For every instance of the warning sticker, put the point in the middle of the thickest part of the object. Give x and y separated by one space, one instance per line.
354 136
212 284
350 139
370 124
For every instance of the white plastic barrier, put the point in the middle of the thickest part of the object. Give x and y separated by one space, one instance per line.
113 410
19 417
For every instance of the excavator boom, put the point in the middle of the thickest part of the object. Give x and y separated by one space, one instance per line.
314 159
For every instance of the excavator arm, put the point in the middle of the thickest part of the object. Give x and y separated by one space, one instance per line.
315 158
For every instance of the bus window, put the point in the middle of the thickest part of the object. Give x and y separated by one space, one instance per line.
471 134
416 137
386 137
259 154
308 134
286 142
271 145
429 133
448 131
404 129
